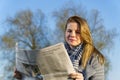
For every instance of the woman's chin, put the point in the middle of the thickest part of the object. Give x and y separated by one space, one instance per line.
73 44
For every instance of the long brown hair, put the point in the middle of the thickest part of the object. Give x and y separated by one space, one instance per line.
86 37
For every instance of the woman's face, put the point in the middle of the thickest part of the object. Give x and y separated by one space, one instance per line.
72 34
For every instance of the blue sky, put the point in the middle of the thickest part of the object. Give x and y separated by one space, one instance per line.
109 11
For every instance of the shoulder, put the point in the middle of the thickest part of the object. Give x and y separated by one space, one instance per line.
94 67
98 56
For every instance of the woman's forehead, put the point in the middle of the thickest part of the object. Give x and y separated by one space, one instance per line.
73 25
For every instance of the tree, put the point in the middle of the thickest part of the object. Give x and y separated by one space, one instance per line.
66 11
29 30
102 38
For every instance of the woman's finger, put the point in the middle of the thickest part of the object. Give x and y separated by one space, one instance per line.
77 76
17 74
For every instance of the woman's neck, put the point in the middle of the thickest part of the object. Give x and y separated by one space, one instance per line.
74 46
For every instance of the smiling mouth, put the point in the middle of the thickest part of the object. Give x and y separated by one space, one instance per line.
72 40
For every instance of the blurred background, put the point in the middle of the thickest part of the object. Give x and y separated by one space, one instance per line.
35 24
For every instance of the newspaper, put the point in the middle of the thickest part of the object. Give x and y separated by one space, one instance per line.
52 62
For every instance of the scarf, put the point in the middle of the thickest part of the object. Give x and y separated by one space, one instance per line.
75 55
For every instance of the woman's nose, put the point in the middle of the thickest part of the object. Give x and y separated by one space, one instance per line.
73 33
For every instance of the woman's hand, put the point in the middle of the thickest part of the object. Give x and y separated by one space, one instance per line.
17 74
77 76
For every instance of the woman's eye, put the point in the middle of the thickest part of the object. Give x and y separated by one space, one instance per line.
69 31
77 32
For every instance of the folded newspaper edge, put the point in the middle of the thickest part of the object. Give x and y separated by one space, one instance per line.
52 62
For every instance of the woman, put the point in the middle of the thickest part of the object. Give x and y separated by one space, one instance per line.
87 60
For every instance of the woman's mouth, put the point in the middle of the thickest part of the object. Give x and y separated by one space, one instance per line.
72 39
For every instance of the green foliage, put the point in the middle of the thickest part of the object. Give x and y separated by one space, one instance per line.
8 41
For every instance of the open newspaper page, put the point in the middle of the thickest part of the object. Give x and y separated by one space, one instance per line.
52 62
